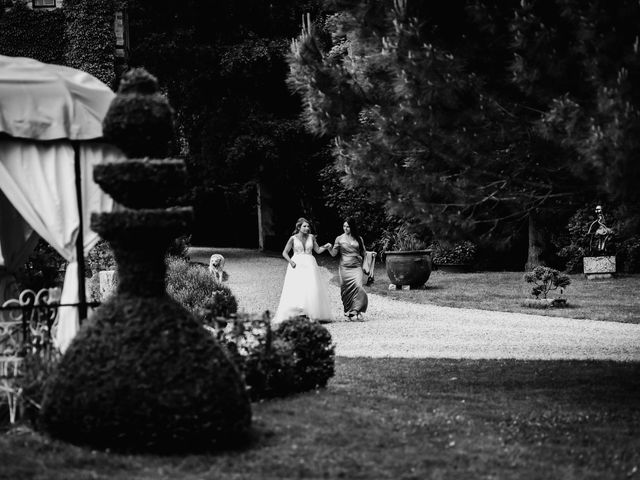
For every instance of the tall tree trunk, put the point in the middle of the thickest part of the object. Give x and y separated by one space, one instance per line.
536 243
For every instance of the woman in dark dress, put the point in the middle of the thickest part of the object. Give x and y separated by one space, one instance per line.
350 247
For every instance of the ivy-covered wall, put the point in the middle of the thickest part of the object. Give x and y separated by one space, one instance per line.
91 38
80 35
38 34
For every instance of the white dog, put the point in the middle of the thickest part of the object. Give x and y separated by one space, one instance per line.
216 266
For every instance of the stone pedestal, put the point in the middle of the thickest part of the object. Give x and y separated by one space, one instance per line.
599 267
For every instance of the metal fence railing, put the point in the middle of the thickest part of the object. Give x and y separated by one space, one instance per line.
27 327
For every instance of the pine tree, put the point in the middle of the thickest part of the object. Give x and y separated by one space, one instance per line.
405 115
468 117
591 87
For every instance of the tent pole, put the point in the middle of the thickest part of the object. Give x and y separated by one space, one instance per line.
82 298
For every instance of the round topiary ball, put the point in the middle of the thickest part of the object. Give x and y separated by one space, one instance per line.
145 376
313 350
272 373
222 303
139 120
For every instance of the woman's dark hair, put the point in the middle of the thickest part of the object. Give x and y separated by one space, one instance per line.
299 223
355 233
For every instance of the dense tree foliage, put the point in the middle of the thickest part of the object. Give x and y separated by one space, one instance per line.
495 119
477 117
224 68
590 88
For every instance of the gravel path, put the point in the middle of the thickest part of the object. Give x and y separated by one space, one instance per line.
395 328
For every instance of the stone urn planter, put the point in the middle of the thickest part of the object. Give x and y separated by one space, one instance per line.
410 268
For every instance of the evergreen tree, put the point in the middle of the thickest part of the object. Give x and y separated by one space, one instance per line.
590 89
480 117
412 123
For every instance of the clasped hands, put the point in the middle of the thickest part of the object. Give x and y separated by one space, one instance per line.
326 246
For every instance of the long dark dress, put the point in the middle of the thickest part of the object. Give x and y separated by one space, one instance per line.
354 298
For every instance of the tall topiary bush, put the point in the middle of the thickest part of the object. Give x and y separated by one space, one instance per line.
144 374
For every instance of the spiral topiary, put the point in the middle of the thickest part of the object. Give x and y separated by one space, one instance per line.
143 375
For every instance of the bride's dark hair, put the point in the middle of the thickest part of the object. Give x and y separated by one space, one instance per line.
299 223
355 233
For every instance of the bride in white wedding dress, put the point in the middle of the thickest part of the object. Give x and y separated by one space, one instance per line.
304 291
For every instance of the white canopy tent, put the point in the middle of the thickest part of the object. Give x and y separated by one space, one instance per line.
50 126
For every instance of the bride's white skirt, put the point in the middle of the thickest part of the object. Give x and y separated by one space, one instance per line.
304 291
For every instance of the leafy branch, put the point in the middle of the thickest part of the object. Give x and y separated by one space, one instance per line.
546 279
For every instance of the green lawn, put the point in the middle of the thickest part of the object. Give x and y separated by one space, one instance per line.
613 300
404 419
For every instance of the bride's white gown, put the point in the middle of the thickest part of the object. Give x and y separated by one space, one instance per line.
304 291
